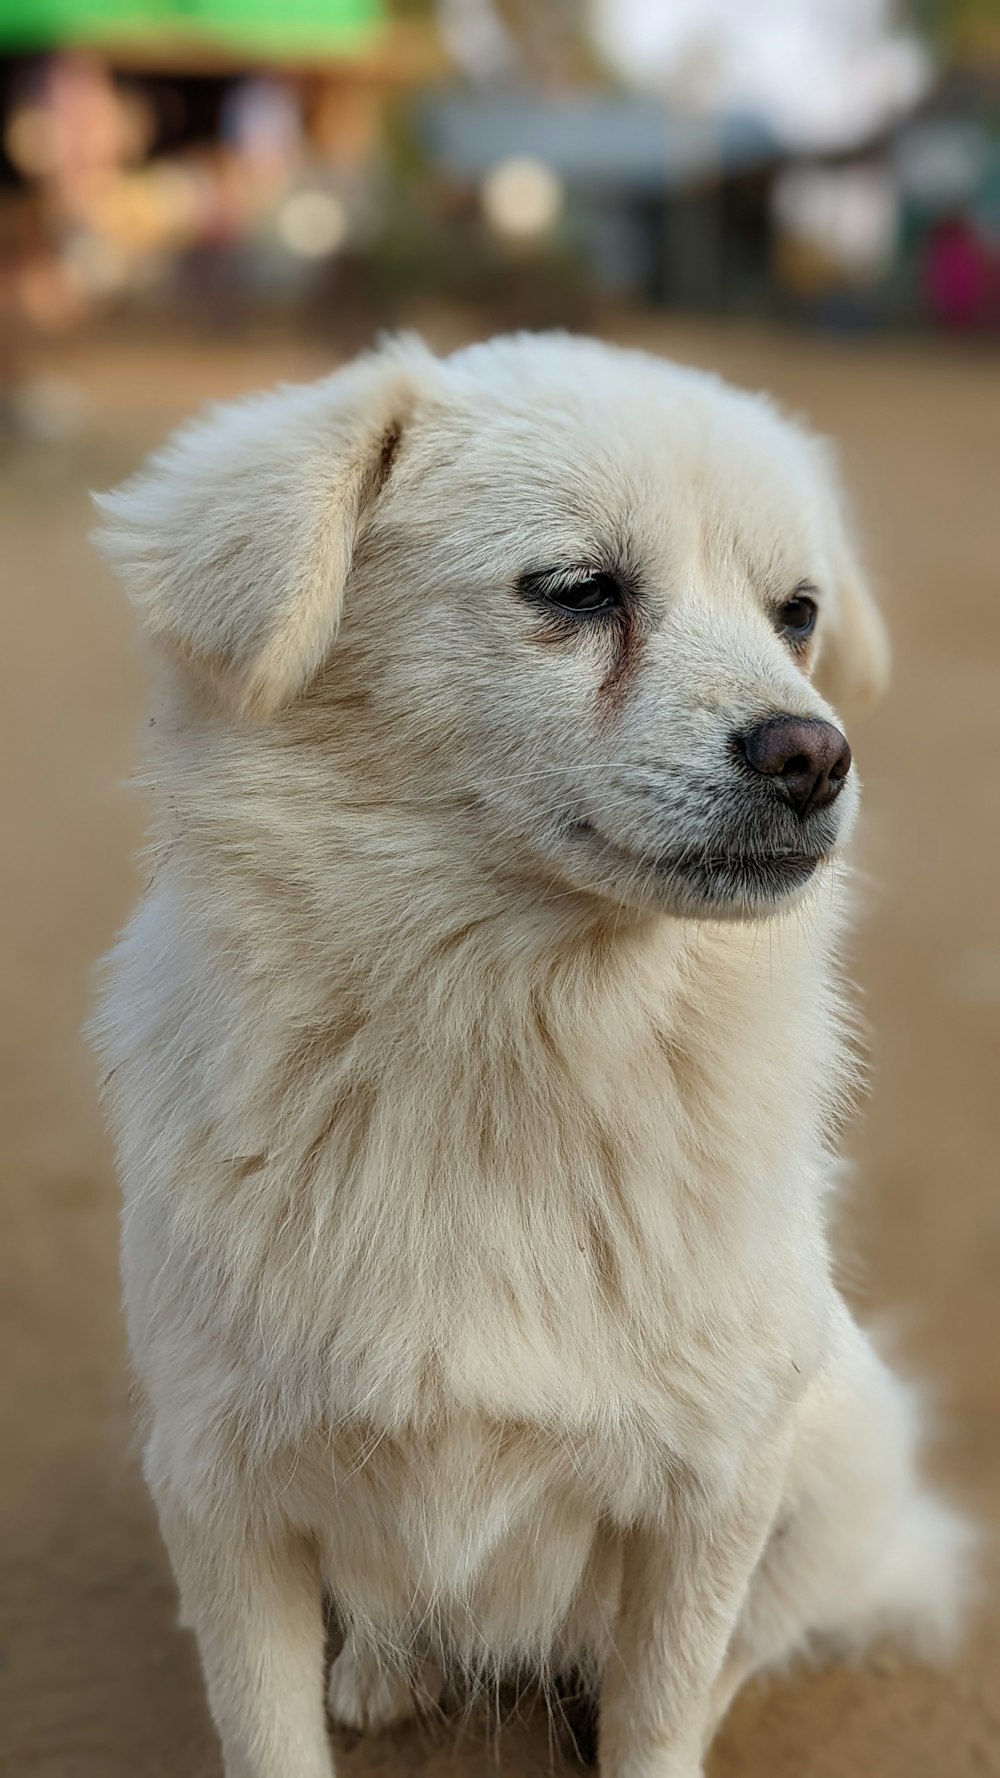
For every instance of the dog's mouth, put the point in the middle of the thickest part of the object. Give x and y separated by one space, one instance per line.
736 877
708 878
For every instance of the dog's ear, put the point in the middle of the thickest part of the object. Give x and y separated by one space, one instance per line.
853 666
235 542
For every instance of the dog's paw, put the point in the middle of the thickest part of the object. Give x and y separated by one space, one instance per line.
364 1694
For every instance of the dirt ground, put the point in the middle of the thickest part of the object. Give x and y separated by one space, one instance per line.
96 1679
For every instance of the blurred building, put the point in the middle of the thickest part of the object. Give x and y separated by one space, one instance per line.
661 207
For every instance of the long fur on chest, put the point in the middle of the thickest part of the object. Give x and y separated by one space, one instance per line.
482 1172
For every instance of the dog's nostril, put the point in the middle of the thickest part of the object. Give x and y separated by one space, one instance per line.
799 763
806 759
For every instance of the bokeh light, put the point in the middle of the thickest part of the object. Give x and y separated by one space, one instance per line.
522 198
313 224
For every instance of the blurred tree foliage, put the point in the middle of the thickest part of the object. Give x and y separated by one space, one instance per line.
960 27
549 40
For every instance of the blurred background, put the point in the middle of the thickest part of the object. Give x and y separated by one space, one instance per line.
198 197
224 165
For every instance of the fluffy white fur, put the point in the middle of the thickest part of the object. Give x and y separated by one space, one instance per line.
475 1157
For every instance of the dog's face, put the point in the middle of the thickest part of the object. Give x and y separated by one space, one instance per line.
587 599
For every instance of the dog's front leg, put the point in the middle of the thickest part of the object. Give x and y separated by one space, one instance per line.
684 1580
255 1605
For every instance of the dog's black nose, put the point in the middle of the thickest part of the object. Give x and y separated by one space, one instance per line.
807 759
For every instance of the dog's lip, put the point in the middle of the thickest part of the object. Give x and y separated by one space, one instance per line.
746 861
795 865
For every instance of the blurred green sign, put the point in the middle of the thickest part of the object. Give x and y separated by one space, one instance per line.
267 27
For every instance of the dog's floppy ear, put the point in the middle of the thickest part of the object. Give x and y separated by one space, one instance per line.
853 666
235 541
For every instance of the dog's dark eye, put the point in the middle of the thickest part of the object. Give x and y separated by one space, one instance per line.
598 592
796 618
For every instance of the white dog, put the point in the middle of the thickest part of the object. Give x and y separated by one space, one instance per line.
475 1053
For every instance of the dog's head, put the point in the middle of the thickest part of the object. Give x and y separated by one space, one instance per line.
585 607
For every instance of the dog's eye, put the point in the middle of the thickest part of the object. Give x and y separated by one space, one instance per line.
598 592
796 618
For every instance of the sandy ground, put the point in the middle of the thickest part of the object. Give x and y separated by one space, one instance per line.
96 1680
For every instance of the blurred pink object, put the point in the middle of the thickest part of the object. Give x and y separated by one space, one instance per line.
957 274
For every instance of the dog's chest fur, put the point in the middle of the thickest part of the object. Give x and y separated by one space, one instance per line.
576 1216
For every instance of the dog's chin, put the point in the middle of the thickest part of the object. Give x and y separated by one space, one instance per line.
699 884
737 888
